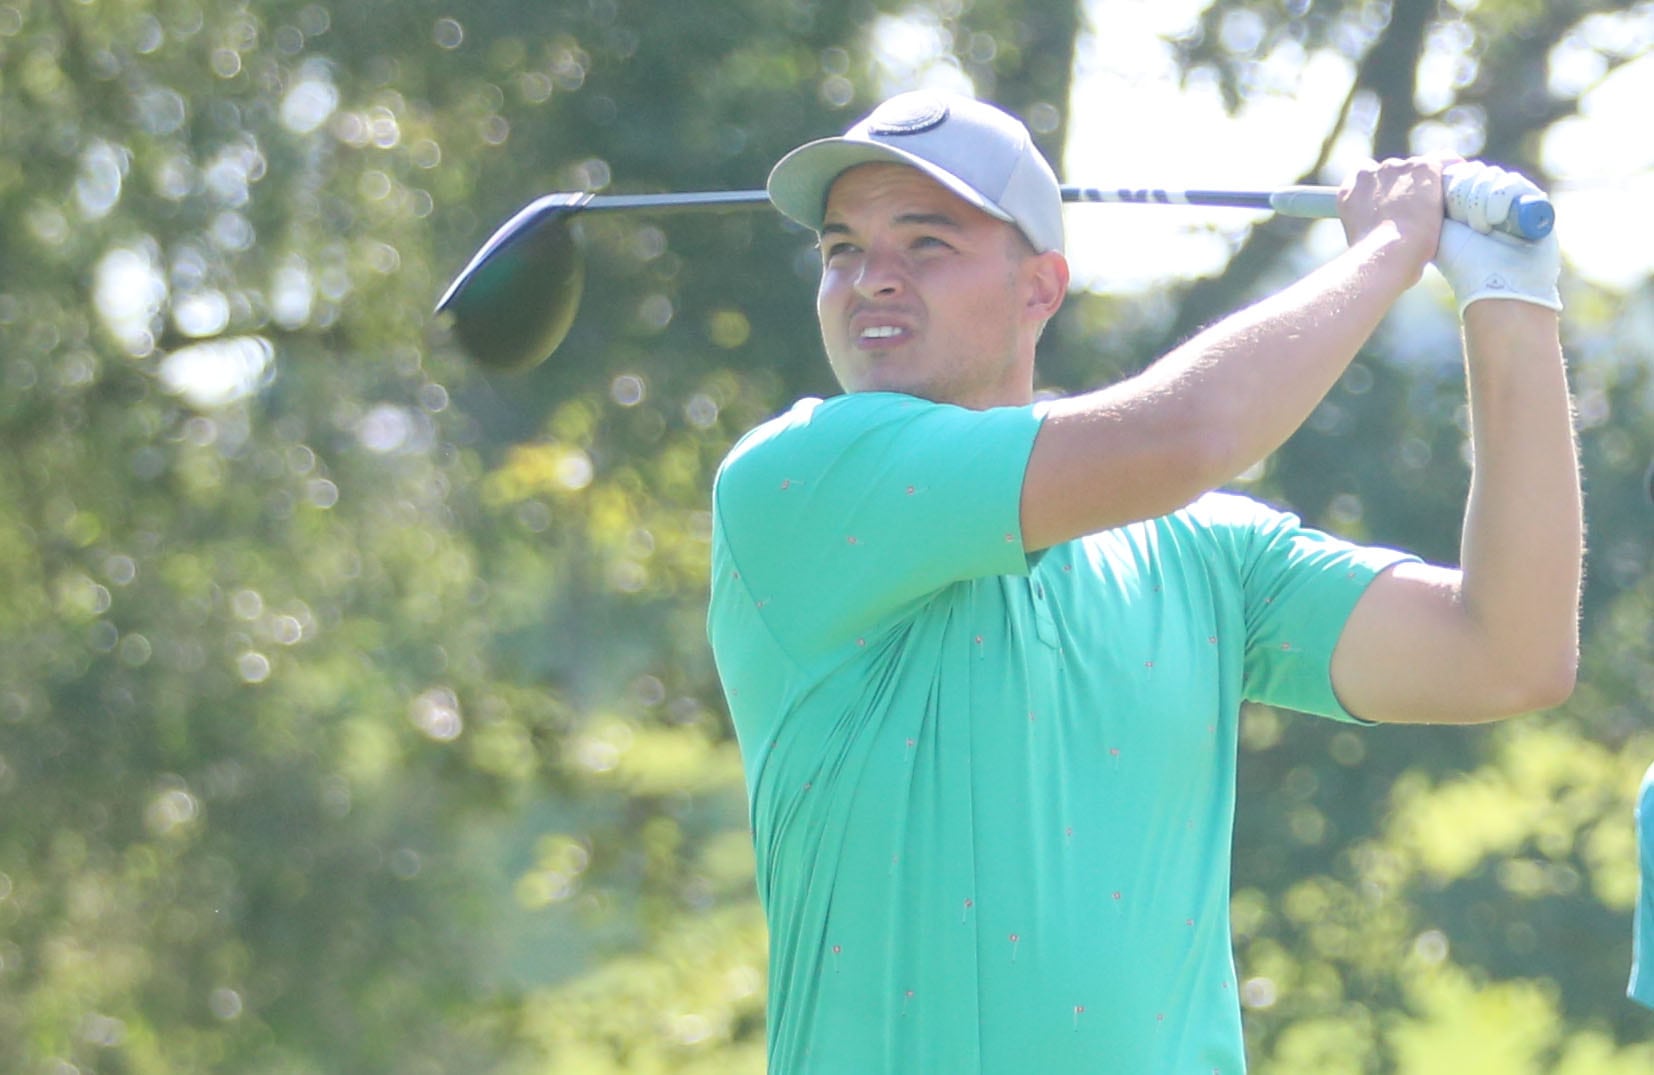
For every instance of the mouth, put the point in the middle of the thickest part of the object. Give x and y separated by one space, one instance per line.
880 331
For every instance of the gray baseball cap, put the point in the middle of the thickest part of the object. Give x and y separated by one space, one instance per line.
984 155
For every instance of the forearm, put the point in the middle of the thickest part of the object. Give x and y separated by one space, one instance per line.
1214 406
1523 542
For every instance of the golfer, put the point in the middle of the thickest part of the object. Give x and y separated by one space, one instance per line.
985 656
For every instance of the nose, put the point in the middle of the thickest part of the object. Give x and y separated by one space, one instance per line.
880 273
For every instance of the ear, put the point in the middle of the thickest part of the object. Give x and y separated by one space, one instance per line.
1048 280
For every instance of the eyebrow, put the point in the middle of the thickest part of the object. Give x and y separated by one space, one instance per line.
928 220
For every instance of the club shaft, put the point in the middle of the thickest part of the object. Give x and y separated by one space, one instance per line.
1530 218
1307 201
1314 203
693 201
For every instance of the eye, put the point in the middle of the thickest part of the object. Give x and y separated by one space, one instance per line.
832 249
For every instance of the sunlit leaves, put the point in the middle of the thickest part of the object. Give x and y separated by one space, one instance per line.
678 1008
1546 784
1465 1026
355 708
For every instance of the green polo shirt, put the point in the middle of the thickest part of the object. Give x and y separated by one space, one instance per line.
992 795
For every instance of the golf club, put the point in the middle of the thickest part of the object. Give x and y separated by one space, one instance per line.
513 303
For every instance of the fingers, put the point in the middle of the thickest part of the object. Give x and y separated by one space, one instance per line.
1484 197
1402 193
1481 195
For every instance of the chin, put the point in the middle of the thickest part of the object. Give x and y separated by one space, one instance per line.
922 391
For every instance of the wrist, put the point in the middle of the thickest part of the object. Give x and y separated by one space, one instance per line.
1395 259
1511 318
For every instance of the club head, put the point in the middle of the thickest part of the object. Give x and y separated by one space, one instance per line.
514 303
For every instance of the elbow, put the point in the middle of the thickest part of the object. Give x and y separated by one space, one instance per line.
1218 440
1541 684
1558 686
1192 464
1214 455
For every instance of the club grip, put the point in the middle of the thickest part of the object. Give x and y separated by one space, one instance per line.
1528 216
1531 216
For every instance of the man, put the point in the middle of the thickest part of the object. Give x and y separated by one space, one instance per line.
1641 986
985 657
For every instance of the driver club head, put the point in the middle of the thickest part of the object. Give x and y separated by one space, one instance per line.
514 303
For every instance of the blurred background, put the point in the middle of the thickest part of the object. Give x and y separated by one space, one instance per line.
356 713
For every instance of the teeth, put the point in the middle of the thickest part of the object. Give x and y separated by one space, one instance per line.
881 332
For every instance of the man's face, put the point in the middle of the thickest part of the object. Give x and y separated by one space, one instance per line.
923 293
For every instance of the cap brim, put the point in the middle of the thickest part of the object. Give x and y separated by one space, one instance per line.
799 182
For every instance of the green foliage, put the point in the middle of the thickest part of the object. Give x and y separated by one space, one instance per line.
355 708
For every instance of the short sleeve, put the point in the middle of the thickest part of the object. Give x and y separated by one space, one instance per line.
1299 587
842 513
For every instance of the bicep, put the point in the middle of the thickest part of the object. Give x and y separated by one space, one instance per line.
1410 654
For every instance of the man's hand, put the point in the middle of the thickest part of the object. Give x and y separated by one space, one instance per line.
1484 264
1404 198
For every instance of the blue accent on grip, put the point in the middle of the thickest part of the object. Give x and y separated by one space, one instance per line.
1531 217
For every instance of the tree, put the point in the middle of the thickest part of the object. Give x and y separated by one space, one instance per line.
355 710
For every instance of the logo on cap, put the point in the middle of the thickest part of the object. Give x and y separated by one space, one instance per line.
907 114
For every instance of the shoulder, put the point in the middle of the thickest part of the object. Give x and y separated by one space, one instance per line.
1228 522
866 429
1252 536
813 420
1234 511
795 447
809 430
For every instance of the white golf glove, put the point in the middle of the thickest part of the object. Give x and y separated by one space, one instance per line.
1482 263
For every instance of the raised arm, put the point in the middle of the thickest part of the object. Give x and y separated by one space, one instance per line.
1235 392
1499 635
